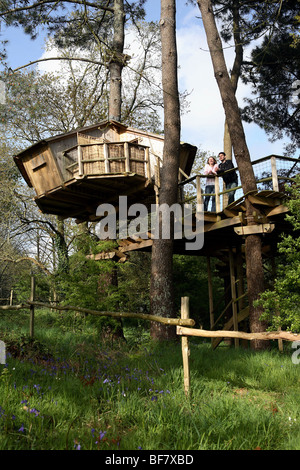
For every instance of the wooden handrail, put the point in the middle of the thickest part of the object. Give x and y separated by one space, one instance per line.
274 177
80 160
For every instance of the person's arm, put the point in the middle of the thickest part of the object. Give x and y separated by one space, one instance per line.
207 169
215 169
219 170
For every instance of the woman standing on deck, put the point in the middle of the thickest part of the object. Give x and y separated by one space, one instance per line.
210 170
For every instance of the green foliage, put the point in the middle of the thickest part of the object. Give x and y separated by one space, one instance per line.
25 347
134 283
68 391
275 66
282 303
190 280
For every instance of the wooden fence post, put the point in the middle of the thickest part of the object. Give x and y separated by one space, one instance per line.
11 297
185 346
32 295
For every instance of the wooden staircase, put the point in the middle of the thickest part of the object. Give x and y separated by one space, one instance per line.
242 315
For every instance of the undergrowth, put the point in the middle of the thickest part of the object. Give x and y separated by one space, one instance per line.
73 390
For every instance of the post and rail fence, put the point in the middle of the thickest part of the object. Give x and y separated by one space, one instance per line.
274 172
183 325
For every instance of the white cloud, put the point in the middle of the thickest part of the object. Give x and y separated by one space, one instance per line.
203 126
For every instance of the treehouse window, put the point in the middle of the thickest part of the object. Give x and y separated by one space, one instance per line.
37 162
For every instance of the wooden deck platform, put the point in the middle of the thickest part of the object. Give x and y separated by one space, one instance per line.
222 230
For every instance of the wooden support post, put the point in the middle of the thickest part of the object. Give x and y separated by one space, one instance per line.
233 296
240 285
210 295
32 295
274 174
217 191
185 346
273 264
80 164
106 161
240 279
127 159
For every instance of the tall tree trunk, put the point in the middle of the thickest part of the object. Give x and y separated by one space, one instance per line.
161 293
254 266
61 247
116 63
236 70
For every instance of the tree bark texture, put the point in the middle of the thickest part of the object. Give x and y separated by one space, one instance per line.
255 274
116 63
235 72
162 298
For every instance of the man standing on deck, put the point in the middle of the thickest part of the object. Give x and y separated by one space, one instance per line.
230 179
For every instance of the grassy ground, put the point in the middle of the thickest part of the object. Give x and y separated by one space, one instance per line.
67 390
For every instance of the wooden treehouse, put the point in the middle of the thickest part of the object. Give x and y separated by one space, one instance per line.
75 172
225 231
72 174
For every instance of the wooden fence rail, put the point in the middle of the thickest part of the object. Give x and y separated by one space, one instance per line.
182 324
185 332
285 335
141 316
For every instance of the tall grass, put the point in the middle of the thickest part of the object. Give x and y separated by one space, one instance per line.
68 390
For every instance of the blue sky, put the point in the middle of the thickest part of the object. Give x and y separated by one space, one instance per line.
203 125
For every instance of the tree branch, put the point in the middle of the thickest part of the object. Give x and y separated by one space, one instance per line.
45 2
28 258
58 58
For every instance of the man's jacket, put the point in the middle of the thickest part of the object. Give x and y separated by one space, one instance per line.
228 177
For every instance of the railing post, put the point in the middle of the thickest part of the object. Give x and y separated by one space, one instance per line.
148 168
127 160
199 191
217 191
80 164
185 346
11 297
274 174
106 161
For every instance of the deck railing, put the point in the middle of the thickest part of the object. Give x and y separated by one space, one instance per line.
271 173
106 158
